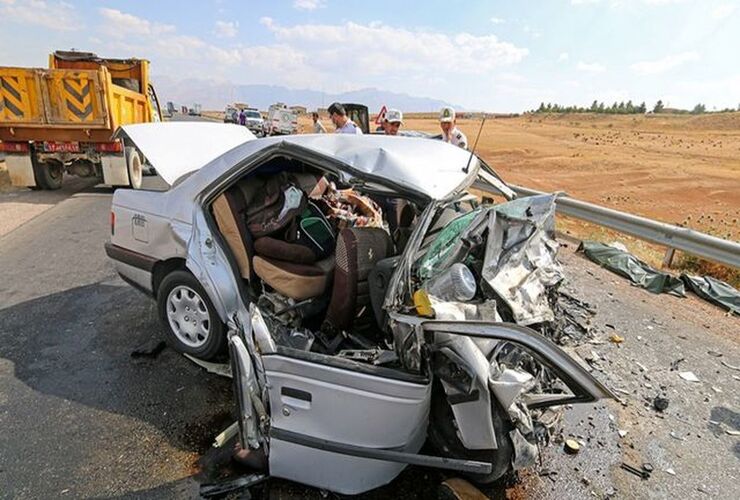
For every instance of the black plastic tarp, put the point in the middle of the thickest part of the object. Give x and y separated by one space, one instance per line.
629 266
714 290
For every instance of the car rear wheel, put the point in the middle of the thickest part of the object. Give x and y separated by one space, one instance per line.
188 316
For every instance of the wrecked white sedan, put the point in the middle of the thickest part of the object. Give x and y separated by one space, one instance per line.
369 302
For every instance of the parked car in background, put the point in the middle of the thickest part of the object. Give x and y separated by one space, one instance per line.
280 121
255 123
231 115
369 302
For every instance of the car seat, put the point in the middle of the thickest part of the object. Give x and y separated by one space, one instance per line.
358 250
228 210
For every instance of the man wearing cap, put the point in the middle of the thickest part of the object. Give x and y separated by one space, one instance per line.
341 121
392 122
450 132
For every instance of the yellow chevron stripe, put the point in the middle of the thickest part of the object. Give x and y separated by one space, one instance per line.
80 106
10 91
11 99
81 86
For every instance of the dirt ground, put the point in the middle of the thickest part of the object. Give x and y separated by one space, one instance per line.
679 169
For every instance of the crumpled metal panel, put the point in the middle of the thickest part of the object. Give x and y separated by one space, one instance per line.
520 261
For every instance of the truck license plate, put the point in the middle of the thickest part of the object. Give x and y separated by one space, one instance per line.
61 147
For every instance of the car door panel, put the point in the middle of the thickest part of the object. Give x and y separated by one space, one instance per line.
346 407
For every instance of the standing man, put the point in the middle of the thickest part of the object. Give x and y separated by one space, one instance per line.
339 118
318 127
450 132
242 117
392 122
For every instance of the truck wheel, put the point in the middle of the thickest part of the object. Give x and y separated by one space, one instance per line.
48 174
443 436
135 168
188 316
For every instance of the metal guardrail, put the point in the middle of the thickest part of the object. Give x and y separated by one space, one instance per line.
674 237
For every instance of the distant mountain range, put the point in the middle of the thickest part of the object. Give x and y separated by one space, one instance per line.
215 95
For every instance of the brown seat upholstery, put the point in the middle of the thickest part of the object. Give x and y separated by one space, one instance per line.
297 281
228 210
358 250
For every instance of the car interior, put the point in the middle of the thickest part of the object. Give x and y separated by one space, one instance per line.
316 255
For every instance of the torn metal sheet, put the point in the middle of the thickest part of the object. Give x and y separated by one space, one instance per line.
222 369
520 260
627 265
226 435
715 291
525 453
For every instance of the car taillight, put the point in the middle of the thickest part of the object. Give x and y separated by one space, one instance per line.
14 147
109 147
112 223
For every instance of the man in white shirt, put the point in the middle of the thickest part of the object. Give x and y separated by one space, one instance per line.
318 127
339 118
450 132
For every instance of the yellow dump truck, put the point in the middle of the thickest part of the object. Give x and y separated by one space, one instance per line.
63 119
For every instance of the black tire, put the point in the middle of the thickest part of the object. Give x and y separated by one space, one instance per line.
443 436
213 342
49 175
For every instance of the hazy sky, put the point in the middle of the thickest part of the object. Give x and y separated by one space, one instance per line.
493 55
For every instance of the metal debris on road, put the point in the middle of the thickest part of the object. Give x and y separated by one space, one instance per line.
643 472
670 471
689 376
571 446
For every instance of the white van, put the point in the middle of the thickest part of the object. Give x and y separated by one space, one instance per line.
281 121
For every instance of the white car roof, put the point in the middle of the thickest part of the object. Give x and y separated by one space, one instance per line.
430 167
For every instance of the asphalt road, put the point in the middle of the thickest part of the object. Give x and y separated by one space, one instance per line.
79 417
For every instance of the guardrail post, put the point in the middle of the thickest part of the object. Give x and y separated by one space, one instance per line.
668 257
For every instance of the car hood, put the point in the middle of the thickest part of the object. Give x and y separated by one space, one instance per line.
178 148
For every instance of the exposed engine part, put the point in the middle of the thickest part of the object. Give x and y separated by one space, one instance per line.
455 283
